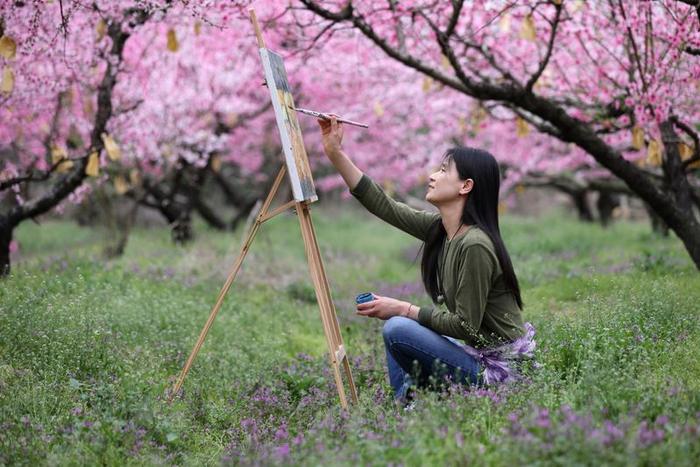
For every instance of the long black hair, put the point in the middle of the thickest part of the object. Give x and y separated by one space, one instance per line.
480 209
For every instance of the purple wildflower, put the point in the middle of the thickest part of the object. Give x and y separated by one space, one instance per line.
542 420
612 433
281 432
282 451
649 435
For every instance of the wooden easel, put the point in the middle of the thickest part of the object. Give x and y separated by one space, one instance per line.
331 329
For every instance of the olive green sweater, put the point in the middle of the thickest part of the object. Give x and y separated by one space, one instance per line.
480 309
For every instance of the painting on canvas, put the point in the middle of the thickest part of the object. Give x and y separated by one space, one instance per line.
292 143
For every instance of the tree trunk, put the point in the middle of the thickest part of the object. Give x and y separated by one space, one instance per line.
686 225
580 199
5 239
182 230
122 223
606 203
672 200
180 222
67 183
658 226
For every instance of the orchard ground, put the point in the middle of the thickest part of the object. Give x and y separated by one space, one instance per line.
88 348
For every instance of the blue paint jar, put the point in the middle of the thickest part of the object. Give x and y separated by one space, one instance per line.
364 298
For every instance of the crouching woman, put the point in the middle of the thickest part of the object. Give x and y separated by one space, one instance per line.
465 268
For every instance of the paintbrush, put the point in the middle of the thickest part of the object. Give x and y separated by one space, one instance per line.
313 113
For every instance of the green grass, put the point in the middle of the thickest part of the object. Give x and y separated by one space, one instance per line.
89 347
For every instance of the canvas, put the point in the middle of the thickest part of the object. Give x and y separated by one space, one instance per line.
292 142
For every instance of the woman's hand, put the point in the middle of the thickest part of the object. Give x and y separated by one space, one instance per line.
383 307
332 136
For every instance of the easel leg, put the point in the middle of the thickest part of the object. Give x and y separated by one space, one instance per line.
334 317
328 314
229 280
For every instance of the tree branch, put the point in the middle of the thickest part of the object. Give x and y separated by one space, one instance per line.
550 45
571 129
347 15
67 184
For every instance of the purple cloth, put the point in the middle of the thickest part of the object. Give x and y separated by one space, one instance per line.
499 363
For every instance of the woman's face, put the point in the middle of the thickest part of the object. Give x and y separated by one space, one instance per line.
444 185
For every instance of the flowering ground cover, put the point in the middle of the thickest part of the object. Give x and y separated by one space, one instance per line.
88 349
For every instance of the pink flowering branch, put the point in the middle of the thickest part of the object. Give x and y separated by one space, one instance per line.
669 197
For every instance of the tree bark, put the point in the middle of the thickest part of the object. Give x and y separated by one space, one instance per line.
580 199
175 207
5 239
606 204
658 226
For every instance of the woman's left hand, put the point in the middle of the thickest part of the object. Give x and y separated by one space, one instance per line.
382 307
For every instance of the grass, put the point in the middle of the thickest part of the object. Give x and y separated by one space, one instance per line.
89 347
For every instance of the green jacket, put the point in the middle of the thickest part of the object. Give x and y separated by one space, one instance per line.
480 309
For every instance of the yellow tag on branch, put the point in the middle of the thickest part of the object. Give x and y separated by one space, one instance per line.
685 151
65 166
637 138
60 157
426 84
135 177
7 84
527 30
57 154
216 164
445 61
8 47
173 45
378 109
197 28
100 29
93 166
654 153
111 147
120 185
522 129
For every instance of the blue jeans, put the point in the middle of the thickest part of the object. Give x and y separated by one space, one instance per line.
418 356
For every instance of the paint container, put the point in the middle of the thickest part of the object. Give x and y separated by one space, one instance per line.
364 298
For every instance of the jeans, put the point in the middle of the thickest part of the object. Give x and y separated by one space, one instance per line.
418 356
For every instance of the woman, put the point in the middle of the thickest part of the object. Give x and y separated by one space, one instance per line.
465 265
